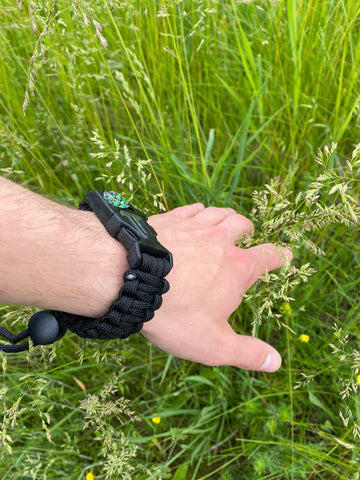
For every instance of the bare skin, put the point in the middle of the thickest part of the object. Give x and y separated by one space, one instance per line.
209 278
59 258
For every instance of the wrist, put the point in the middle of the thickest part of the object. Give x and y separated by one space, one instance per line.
144 281
94 266
55 257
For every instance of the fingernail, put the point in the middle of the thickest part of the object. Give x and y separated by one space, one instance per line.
272 363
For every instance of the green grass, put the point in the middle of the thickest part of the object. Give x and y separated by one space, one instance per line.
222 96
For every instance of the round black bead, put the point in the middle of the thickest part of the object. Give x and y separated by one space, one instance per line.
43 328
128 276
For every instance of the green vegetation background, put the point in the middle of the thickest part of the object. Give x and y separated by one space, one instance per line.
222 96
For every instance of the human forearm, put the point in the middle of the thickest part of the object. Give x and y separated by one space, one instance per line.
55 257
63 259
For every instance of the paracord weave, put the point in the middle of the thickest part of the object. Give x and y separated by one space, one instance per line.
137 302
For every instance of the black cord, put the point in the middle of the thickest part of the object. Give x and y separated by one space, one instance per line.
4 332
137 302
138 299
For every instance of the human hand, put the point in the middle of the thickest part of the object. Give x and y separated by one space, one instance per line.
207 282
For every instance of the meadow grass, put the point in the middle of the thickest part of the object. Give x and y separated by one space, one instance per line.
224 102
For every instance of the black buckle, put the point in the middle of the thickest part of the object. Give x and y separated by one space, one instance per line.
139 237
129 226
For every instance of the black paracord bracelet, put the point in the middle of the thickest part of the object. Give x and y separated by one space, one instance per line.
138 299
137 302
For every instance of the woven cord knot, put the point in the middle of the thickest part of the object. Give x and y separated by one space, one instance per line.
137 302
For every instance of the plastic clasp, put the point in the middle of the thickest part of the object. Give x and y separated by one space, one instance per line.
129 226
139 237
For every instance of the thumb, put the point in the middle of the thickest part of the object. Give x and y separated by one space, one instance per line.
251 353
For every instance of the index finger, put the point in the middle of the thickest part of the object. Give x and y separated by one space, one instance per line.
265 258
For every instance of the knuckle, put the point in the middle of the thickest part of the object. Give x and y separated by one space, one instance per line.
249 225
230 210
244 262
214 210
215 232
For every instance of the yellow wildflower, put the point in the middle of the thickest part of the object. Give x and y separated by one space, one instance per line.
358 379
156 420
89 476
304 338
